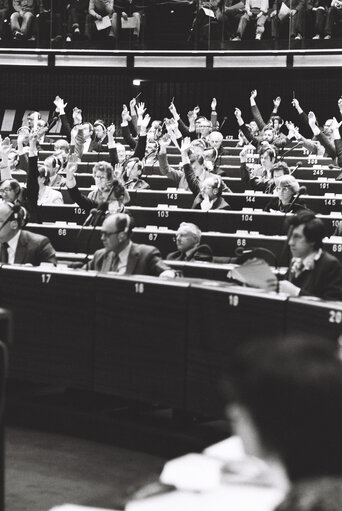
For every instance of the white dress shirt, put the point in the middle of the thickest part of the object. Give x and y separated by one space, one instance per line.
12 247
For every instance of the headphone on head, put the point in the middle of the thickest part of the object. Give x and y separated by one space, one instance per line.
17 213
219 184
137 163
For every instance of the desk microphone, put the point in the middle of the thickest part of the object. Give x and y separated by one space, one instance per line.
222 123
244 254
300 192
298 164
282 156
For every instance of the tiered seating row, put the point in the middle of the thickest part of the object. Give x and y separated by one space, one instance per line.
76 329
66 238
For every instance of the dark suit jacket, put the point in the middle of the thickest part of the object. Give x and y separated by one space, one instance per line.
34 249
200 253
142 260
324 281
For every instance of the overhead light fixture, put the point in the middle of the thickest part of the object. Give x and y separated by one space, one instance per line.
137 83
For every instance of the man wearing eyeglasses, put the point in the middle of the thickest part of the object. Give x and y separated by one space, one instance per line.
122 256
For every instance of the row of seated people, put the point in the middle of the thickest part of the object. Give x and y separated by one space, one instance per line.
110 192
315 19
68 19
73 19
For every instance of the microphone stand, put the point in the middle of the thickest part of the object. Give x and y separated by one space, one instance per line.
288 151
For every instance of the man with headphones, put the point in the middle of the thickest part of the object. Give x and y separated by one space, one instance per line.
208 193
18 246
122 256
312 271
133 168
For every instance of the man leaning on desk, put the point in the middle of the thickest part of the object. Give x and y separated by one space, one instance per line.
122 256
312 271
18 246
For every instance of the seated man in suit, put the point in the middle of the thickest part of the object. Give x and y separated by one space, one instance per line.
188 238
312 271
124 257
21 247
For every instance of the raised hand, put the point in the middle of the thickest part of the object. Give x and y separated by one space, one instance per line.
71 167
339 103
125 114
295 104
111 130
173 110
165 140
312 119
335 124
276 102
213 104
132 105
185 146
59 104
237 113
145 121
254 94
77 115
196 111
141 109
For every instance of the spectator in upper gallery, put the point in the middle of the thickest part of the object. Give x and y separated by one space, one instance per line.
51 17
312 271
23 17
317 15
288 10
4 8
98 9
77 12
189 247
334 15
128 9
255 12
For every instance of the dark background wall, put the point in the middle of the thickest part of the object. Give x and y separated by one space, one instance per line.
101 92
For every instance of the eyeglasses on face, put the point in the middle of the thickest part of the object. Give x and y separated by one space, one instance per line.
283 188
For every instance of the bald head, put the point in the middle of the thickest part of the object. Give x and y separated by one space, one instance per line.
116 232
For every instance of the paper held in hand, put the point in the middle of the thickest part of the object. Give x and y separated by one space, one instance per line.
284 11
254 273
103 24
130 22
208 12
